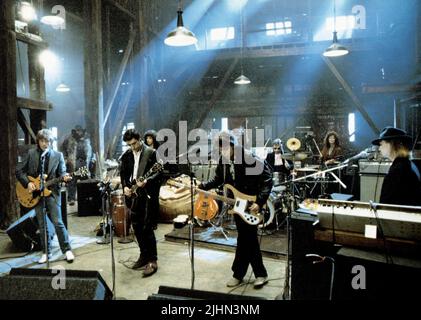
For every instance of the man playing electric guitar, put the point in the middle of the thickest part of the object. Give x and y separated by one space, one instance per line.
134 164
54 167
250 176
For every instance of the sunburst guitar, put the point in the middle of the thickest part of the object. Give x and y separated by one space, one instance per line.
31 199
206 206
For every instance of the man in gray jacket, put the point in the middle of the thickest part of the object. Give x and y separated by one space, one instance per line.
52 163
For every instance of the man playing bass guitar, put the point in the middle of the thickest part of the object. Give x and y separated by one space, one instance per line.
135 163
250 176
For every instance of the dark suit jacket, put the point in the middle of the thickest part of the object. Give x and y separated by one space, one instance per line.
402 184
29 167
147 160
270 159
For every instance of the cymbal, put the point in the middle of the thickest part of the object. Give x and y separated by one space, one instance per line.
293 144
294 157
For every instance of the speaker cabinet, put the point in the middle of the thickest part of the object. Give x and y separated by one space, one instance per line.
88 198
172 293
48 284
25 232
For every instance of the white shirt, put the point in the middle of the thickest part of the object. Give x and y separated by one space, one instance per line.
278 159
136 163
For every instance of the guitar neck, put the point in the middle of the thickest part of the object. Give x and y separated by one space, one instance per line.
51 182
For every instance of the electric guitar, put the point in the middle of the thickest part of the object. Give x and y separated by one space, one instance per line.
30 200
135 193
240 203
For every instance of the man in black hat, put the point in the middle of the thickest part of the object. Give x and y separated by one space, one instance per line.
250 176
402 184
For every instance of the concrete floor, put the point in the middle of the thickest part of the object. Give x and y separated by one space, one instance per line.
212 267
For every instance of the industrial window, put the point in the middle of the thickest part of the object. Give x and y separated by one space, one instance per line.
344 26
221 34
278 28
351 127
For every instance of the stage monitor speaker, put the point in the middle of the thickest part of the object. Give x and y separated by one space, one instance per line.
88 198
48 284
172 293
25 232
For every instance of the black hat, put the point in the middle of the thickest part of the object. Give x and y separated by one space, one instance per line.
390 133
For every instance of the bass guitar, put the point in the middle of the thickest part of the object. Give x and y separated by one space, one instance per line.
30 200
135 193
239 203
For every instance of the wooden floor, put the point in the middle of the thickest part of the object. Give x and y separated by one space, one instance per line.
273 243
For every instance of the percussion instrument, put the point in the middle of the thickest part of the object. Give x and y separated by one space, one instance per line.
299 156
120 214
293 144
121 220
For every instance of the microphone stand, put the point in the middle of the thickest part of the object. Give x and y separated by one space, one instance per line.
192 225
44 211
105 195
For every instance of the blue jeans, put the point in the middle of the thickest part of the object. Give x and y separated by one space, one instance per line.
53 205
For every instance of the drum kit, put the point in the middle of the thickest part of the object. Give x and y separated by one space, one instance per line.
286 194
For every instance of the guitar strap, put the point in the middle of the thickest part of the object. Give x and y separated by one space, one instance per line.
144 157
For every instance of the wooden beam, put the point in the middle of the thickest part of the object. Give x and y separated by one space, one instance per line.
25 125
94 87
395 88
118 126
121 8
33 104
8 118
38 117
216 94
31 40
353 97
120 73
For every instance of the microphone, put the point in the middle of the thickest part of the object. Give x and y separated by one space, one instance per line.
369 154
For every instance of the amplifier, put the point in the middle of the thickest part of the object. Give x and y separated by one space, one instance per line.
88 198
372 174
374 167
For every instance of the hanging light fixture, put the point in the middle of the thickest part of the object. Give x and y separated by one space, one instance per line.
335 49
57 17
180 36
27 11
242 79
62 87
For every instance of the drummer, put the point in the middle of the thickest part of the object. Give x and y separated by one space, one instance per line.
277 164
